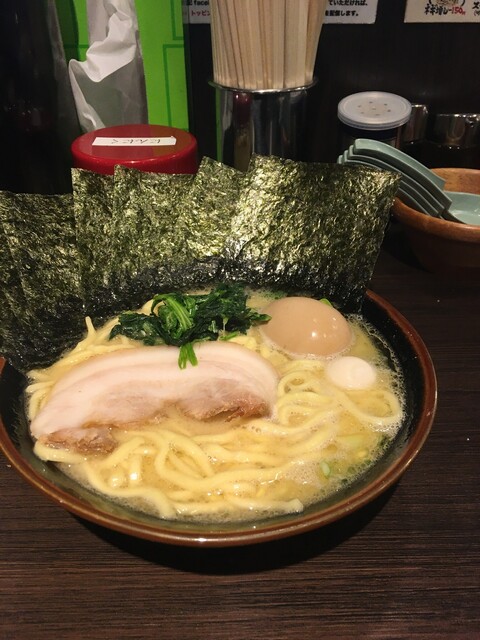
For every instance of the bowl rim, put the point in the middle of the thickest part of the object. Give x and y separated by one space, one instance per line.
269 531
447 229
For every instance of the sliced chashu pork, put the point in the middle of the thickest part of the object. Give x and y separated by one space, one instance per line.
127 387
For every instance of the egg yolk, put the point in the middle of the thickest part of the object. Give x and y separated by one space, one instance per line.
307 327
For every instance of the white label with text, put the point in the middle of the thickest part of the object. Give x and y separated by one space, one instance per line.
168 141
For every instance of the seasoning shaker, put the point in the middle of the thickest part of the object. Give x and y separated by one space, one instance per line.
376 115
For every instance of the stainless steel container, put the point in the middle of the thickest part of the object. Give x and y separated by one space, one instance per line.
269 122
415 127
453 140
413 131
460 130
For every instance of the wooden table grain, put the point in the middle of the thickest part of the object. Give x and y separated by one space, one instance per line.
406 566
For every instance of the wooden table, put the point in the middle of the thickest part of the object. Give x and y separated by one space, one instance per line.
407 566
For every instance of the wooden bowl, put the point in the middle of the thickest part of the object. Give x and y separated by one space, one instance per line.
450 249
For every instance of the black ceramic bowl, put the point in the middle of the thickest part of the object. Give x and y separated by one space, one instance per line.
421 393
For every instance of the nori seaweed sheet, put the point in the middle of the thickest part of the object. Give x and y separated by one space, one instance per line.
93 209
40 233
293 226
310 227
180 223
143 237
204 223
13 343
12 298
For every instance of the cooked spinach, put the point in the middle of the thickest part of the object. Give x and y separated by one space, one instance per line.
181 319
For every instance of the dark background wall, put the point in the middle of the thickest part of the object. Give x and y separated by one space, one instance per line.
433 64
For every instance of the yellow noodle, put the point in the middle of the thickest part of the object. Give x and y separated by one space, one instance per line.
216 482
219 438
135 474
223 455
390 399
45 452
160 458
121 453
189 447
246 341
156 497
239 488
309 365
183 466
275 506
117 478
204 509
311 416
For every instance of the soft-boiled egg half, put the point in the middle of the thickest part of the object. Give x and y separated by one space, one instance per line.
306 327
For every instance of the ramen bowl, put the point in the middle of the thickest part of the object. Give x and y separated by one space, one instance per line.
420 405
444 247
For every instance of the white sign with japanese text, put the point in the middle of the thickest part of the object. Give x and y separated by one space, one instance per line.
103 141
442 11
196 11
351 12
336 11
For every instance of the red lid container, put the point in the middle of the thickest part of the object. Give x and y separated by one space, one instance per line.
146 147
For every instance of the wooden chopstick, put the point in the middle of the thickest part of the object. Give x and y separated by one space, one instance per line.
265 44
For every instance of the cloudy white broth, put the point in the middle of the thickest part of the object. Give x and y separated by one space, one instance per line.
264 423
